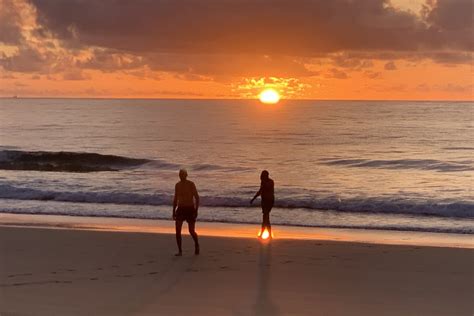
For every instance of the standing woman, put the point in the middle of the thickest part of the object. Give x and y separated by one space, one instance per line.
268 199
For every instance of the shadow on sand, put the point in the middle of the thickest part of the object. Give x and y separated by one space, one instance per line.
264 304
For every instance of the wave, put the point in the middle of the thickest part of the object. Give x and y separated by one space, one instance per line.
420 164
390 205
63 161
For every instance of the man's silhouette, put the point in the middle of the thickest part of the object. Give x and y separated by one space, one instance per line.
268 199
186 199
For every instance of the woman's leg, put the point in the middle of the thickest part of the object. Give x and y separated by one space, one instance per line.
266 221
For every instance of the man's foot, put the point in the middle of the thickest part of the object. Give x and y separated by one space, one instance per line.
196 250
179 254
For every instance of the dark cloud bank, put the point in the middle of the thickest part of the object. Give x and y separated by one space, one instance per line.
201 36
298 28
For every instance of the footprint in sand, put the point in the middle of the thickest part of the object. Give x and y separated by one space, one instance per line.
20 274
124 275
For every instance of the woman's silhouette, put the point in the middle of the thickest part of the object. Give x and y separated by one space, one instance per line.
268 199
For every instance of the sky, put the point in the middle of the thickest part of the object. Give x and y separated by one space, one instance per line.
305 49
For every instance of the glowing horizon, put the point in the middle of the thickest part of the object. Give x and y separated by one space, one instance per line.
415 52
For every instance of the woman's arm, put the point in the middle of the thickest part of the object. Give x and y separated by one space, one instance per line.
256 194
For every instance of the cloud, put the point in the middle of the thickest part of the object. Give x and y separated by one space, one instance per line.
75 75
27 60
108 60
222 65
390 66
287 87
221 40
448 87
373 74
336 74
10 22
297 28
452 22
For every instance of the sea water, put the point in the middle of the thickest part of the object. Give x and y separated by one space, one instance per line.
355 164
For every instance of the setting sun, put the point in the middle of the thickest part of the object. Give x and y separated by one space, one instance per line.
269 96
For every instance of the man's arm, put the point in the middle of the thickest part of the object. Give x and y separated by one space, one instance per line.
175 201
196 197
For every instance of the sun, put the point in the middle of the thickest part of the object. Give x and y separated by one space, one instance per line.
269 96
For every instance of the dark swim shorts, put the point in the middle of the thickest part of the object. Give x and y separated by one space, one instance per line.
187 214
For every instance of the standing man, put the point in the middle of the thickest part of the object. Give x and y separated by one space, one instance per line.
268 199
186 199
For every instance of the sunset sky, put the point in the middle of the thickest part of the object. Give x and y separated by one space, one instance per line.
306 49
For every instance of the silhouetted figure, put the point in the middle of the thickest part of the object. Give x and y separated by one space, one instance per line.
268 199
186 198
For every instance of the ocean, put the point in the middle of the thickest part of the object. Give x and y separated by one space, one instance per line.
404 166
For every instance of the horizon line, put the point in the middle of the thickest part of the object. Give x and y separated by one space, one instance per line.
227 99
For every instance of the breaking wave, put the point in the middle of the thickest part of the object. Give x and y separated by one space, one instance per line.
63 161
420 164
393 205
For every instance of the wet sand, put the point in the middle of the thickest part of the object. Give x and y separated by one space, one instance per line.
80 272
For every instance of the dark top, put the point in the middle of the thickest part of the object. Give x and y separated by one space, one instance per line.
267 191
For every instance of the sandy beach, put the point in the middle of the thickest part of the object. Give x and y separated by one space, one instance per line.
80 272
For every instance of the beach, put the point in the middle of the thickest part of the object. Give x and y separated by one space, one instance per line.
46 271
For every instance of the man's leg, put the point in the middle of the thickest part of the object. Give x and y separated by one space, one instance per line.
192 232
179 225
